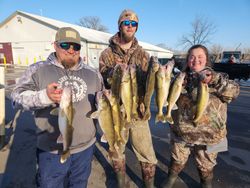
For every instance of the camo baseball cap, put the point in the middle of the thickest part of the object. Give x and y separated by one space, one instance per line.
127 15
68 34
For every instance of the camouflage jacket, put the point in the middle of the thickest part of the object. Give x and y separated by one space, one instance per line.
115 54
211 127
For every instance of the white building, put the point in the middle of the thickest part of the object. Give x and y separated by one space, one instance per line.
26 38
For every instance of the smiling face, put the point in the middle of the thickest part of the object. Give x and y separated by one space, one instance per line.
197 59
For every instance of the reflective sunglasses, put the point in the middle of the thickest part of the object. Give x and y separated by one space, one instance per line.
128 22
66 46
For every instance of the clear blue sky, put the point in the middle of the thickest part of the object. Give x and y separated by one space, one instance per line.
160 21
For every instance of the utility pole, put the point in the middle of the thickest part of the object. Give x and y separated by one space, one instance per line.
2 107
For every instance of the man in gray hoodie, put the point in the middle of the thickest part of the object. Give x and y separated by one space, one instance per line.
40 90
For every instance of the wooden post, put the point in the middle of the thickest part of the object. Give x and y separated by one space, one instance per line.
2 107
27 61
4 61
19 61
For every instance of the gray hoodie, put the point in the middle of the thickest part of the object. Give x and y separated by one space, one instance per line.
30 94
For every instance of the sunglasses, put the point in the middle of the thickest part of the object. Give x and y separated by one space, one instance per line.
66 46
128 22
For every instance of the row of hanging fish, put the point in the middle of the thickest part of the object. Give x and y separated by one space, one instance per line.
168 90
127 101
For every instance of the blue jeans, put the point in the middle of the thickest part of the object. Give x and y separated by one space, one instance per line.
74 173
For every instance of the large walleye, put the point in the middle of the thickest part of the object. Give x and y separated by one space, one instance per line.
104 116
163 80
202 101
126 92
134 88
150 86
174 94
116 116
116 81
65 121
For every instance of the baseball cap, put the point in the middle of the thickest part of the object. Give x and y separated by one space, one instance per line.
68 34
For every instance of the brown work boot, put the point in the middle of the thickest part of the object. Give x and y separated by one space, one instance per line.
148 173
120 177
206 183
119 168
169 183
206 178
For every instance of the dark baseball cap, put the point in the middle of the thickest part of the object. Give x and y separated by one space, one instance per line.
68 34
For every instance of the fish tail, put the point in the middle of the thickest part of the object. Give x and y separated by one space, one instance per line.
160 117
169 119
64 156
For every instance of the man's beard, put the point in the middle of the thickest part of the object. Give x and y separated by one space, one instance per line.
126 38
68 64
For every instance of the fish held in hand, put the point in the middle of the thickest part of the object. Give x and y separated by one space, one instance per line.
65 121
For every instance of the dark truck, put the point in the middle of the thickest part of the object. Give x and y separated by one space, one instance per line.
232 62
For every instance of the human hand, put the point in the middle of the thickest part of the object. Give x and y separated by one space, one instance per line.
206 75
53 92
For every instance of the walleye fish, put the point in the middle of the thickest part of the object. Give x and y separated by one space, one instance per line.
150 86
202 101
163 80
116 81
104 116
116 115
174 94
65 121
134 88
126 93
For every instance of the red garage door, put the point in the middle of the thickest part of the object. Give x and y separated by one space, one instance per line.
6 51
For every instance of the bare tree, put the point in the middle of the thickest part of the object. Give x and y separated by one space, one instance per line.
215 51
201 32
92 22
246 52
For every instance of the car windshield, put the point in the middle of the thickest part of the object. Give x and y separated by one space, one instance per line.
227 56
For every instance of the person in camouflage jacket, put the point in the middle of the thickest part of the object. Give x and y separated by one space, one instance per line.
207 136
124 49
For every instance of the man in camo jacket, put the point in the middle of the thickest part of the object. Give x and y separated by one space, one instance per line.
124 49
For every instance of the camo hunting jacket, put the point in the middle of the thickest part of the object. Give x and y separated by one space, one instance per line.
211 127
115 54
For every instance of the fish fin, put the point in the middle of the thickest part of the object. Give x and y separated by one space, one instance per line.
142 108
160 118
169 119
165 103
175 107
54 112
59 139
95 115
103 139
64 156
183 91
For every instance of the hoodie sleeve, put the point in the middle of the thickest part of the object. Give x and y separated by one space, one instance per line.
26 93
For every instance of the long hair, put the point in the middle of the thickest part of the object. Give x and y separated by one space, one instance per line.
208 64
